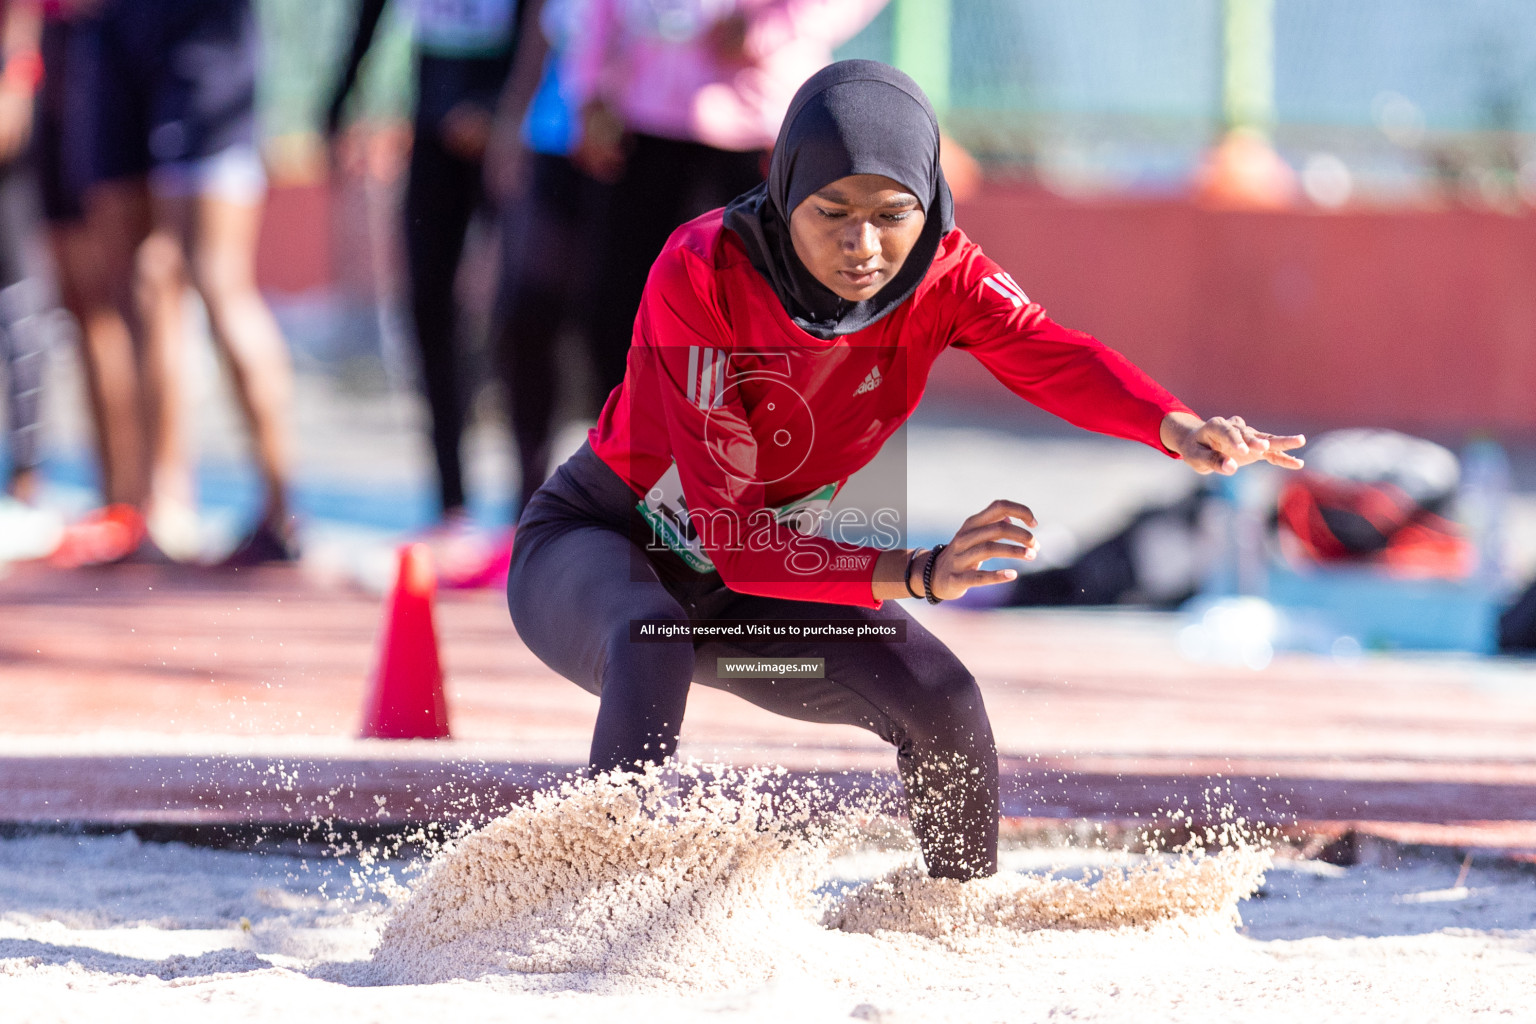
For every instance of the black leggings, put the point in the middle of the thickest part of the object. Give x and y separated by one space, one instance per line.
442 192
546 240
578 579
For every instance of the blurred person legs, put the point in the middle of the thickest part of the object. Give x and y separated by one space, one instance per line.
665 183
546 241
444 190
62 146
94 260
464 53
160 281
132 300
112 374
178 198
546 237
214 213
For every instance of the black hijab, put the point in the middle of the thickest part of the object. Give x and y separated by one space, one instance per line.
852 117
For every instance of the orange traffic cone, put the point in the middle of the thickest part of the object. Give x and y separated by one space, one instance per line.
406 699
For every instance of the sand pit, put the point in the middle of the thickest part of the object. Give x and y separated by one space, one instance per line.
723 902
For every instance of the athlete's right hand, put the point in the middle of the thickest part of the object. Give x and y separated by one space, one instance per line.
990 533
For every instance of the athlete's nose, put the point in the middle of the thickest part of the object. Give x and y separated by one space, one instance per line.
862 241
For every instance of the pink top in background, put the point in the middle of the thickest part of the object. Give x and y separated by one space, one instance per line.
652 61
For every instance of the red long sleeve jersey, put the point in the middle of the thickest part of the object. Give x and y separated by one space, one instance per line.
729 413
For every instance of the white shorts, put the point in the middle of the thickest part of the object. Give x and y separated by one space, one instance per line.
235 174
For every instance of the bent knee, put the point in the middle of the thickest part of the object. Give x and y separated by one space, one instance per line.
223 277
944 682
158 263
949 712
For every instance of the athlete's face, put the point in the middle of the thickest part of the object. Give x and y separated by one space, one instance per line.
854 234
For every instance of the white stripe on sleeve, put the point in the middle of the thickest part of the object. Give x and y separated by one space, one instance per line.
1003 291
706 378
1013 285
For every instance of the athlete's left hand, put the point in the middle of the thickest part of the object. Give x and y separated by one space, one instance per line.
1223 444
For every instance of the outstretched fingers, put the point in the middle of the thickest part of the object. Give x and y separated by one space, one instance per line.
1223 444
994 532
1279 450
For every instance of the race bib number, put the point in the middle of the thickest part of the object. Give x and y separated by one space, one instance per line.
464 27
666 510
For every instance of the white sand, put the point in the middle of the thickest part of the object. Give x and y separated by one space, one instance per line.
596 907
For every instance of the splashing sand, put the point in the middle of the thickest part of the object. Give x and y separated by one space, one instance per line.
1193 887
711 885
111 928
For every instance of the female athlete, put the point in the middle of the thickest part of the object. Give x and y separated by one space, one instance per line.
779 343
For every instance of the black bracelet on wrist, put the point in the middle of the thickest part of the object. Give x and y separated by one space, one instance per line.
933 559
911 557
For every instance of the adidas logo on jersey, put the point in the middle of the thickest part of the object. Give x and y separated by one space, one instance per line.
706 376
1008 288
871 381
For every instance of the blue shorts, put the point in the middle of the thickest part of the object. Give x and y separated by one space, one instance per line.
183 90
62 137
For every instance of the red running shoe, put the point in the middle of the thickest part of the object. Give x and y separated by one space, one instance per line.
103 537
484 569
467 557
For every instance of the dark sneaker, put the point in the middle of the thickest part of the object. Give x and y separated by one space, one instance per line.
266 545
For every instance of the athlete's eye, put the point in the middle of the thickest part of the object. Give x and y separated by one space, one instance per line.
830 214
897 218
